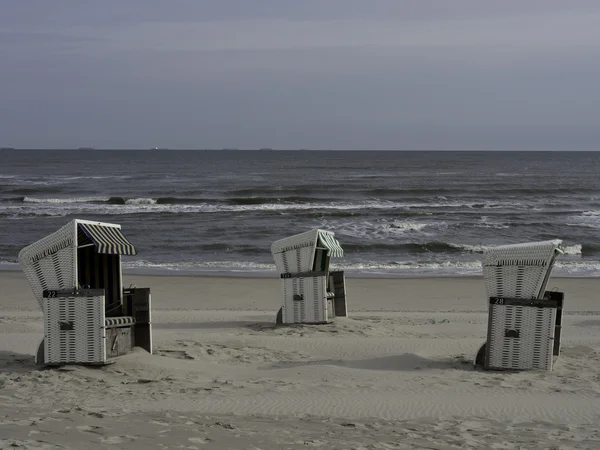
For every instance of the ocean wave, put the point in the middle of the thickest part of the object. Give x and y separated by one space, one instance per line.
398 268
449 247
255 266
586 219
267 200
575 249
486 222
443 247
416 247
67 200
140 201
100 205
284 201
407 226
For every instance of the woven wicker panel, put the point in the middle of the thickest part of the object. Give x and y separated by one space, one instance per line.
312 308
280 262
533 347
311 239
306 239
520 270
74 329
49 262
514 281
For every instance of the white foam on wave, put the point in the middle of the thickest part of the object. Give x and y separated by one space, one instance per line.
460 267
574 249
486 222
577 268
150 205
201 265
140 201
407 225
382 230
145 205
587 219
399 268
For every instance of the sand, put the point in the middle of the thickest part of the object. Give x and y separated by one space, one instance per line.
396 374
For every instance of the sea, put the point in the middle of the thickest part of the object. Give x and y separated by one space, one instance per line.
395 213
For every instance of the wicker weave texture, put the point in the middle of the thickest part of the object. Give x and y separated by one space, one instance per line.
49 263
312 308
295 261
532 348
519 270
74 329
306 239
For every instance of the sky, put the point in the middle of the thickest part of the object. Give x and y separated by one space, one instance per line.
289 74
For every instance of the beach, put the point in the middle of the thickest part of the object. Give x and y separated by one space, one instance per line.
397 373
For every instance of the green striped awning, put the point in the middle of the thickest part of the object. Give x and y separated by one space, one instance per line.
328 241
108 240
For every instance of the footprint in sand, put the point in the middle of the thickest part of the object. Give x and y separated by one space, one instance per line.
38 445
179 354
199 440
90 428
113 440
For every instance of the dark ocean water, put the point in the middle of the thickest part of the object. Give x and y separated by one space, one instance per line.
395 213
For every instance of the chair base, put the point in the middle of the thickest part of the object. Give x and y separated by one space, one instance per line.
40 359
480 357
521 333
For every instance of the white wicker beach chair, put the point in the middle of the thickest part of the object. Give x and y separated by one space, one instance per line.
76 276
311 292
524 319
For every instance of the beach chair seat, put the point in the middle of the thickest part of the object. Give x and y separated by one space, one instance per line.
523 317
310 294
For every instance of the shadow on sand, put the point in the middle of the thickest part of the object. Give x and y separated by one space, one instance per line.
213 325
405 362
17 362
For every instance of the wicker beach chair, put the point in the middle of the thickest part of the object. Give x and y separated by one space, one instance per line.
524 321
311 292
76 276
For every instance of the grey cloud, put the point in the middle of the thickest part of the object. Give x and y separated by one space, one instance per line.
304 74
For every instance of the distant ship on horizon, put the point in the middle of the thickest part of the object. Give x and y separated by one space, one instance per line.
159 148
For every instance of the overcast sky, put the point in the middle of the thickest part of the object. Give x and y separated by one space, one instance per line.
319 74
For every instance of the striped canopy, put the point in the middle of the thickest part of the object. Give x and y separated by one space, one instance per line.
329 242
108 240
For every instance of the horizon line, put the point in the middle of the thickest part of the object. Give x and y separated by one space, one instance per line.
227 149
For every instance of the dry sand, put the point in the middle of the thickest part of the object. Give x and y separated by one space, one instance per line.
397 374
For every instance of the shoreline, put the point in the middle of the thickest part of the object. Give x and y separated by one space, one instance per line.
249 293
263 274
274 275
